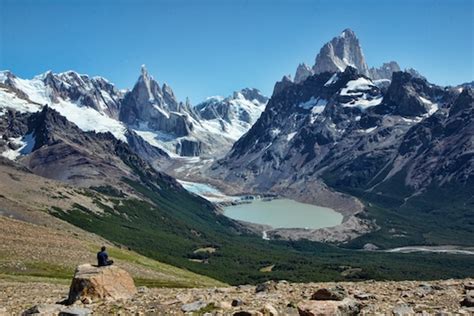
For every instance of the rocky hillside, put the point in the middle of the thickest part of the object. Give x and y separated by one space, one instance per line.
273 298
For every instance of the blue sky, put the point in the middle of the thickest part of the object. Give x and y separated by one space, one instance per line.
213 47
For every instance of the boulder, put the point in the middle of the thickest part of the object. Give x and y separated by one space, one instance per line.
469 299
266 287
269 310
403 310
345 307
43 309
101 283
236 302
337 293
193 307
364 296
56 309
468 286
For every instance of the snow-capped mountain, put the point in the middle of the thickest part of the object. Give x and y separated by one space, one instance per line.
343 51
385 71
400 144
235 114
156 107
330 120
90 103
148 117
208 129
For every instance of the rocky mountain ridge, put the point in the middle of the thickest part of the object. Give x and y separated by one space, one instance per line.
343 130
148 111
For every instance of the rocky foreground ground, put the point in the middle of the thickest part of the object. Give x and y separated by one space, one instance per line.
271 298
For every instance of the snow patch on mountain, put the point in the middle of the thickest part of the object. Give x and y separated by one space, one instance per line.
314 102
332 80
361 91
39 94
432 107
24 146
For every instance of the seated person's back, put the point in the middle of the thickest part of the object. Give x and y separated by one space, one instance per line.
103 258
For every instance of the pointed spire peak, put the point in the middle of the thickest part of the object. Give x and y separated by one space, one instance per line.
286 78
144 71
348 33
166 88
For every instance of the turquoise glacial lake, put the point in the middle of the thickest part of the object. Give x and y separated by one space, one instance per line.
284 213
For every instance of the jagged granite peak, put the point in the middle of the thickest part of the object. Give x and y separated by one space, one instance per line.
415 73
410 96
342 51
282 84
302 72
148 104
70 86
251 94
235 114
385 71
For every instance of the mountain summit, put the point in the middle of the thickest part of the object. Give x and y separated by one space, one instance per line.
342 51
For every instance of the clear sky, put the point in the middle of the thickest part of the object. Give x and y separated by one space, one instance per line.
213 47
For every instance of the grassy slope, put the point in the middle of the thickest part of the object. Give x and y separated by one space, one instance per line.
30 251
182 223
41 246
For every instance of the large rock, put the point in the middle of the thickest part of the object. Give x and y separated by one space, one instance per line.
402 310
338 293
345 307
56 309
194 306
101 283
469 299
266 287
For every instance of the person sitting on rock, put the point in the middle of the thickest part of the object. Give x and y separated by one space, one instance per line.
103 258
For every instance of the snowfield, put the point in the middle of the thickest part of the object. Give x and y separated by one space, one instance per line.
39 94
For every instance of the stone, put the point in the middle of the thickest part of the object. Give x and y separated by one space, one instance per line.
74 311
194 306
468 286
269 310
337 293
468 301
345 307
265 287
364 296
223 305
236 302
56 309
142 289
402 310
43 309
101 283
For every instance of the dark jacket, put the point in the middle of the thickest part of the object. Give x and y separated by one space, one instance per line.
102 258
